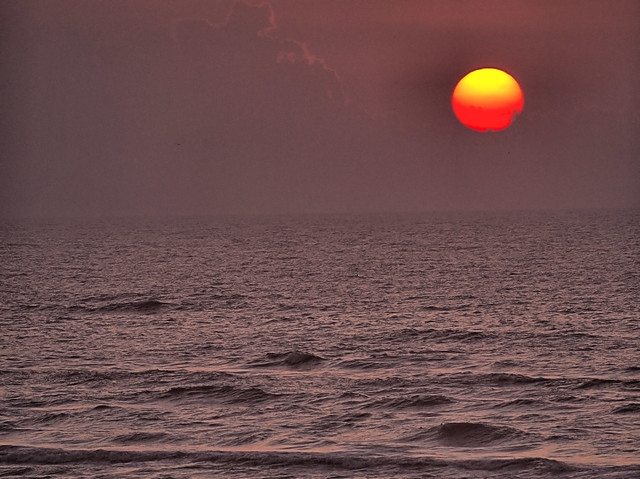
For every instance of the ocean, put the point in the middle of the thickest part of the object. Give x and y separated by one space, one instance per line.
475 345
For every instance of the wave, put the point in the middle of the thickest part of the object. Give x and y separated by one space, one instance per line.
204 302
440 334
138 437
40 455
520 402
48 418
510 378
499 379
225 394
363 364
75 377
412 402
291 358
600 383
333 422
8 426
630 408
42 401
461 335
102 407
539 464
144 306
87 376
147 306
443 308
345 461
136 302
468 434
596 383
106 297
90 376
14 377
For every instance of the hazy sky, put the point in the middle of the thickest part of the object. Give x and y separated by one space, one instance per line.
131 107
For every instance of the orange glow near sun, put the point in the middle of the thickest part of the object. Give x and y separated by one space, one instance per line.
487 100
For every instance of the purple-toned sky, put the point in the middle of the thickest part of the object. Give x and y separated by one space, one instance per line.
135 107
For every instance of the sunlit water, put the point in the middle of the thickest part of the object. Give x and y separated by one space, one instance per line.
414 346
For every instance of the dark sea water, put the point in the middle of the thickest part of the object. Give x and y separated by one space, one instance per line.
447 346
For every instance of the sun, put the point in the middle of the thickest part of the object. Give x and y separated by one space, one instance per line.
487 99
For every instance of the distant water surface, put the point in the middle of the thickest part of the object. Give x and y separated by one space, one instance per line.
449 346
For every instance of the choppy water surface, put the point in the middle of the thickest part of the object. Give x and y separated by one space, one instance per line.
417 346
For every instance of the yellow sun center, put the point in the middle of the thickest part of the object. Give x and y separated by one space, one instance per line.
487 99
